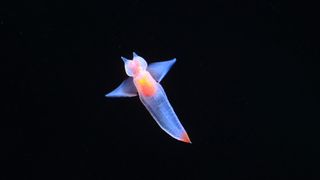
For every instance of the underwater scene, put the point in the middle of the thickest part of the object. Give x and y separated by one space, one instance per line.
137 89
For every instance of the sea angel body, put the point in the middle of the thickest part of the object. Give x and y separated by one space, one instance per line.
144 81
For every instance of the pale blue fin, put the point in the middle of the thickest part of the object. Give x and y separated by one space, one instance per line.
125 89
159 69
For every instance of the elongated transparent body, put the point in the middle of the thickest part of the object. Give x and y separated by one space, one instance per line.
161 110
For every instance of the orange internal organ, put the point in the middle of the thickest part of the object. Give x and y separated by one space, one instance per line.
146 85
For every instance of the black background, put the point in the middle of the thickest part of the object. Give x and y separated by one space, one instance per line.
245 86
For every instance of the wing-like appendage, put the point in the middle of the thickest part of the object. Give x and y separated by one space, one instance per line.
159 107
159 69
125 89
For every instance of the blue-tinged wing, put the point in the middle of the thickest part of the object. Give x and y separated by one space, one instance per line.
125 89
159 69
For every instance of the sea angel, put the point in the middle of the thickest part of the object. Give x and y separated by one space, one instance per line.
144 80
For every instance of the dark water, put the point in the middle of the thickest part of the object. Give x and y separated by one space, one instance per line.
244 86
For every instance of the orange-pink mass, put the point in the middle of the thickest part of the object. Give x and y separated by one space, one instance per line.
146 86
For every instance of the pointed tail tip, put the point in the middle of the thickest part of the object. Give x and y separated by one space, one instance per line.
185 138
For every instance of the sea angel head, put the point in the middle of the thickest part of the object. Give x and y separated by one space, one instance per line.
134 66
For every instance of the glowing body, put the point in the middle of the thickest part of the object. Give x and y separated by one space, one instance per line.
144 81
145 84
